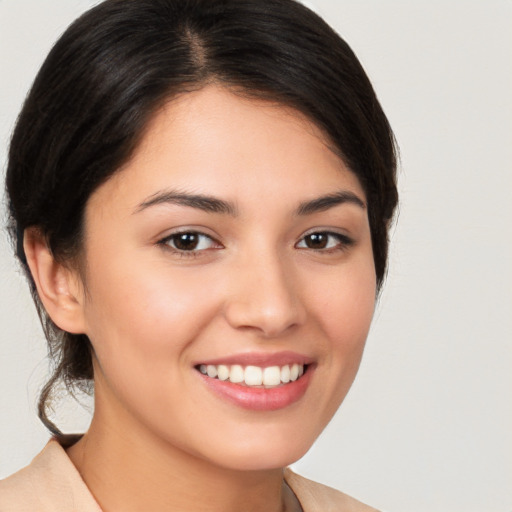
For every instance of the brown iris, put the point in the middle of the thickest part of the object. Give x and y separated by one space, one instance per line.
186 241
317 240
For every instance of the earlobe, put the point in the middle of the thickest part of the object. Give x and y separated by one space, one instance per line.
58 287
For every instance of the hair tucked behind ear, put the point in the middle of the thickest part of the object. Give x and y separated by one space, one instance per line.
116 64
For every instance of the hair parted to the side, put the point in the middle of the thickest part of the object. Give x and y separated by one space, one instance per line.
120 61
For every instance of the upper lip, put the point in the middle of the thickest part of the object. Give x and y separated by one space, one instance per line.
260 359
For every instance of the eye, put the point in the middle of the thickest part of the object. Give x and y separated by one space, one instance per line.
324 241
189 241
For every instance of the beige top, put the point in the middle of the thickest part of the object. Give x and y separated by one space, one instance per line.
51 483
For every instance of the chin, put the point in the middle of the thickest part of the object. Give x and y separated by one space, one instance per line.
261 455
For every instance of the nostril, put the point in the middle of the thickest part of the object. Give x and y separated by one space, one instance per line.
268 321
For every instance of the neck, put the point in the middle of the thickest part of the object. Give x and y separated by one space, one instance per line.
131 469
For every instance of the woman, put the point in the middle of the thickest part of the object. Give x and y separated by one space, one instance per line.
200 193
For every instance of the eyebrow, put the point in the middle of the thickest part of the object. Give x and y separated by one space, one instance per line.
199 201
212 204
328 201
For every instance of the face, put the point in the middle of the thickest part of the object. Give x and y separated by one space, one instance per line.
230 283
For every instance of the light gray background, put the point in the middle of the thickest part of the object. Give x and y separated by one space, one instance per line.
428 424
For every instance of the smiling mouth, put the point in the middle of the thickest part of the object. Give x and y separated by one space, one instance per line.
254 376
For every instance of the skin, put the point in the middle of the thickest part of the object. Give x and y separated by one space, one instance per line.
160 439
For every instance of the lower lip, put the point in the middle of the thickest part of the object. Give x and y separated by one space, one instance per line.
261 399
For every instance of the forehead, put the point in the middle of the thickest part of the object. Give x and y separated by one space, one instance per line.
217 142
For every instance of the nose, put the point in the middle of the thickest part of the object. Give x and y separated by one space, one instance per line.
264 297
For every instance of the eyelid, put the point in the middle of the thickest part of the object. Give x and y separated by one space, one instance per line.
164 241
344 240
195 229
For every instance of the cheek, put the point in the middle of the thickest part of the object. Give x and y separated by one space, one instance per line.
141 329
345 312
347 306
145 314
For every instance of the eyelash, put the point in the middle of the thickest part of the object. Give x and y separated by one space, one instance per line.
343 242
192 253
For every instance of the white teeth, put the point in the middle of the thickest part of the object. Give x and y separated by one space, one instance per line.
269 376
236 373
285 374
272 376
253 376
211 370
223 372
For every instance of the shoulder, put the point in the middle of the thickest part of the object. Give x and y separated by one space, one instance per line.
315 497
50 483
18 493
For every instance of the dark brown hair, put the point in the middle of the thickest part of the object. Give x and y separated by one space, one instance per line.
117 64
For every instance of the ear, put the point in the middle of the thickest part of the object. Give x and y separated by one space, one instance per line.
60 288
